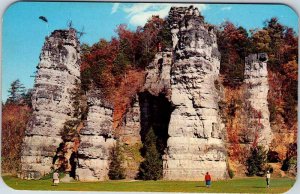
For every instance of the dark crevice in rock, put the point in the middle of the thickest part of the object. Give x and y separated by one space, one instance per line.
155 113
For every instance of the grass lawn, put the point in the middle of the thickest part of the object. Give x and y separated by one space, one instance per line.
249 185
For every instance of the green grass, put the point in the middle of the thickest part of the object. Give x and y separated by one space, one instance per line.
249 185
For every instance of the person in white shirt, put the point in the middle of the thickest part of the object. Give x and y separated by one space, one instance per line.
268 177
55 178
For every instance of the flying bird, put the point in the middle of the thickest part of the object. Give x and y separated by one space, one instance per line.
46 21
43 18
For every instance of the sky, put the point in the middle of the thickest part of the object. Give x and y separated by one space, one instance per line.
24 33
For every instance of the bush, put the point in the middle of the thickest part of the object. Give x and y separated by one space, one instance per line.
116 170
256 161
288 163
230 173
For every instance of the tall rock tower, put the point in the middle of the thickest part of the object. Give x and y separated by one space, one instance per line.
52 100
196 143
96 140
256 78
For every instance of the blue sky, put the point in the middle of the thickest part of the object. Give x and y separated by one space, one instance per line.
24 34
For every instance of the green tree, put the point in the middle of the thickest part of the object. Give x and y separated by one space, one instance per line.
260 41
151 167
16 91
276 33
116 170
256 161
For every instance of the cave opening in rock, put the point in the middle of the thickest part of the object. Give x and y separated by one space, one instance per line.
65 162
155 113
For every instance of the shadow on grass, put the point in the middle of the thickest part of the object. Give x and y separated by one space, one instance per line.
200 186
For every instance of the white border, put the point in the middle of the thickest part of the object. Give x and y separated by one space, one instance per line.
294 4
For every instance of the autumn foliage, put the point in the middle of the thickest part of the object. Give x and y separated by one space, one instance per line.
117 67
14 120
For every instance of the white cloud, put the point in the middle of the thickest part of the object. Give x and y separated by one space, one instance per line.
139 13
115 7
226 8
137 8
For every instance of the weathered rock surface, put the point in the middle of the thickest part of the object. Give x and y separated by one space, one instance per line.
256 78
195 143
159 75
131 124
96 140
57 76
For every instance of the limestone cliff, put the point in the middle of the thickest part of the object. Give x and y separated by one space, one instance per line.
57 76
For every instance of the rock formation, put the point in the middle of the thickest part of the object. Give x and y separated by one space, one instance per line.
96 140
179 100
131 124
182 83
195 144
159 75
256 78
57 76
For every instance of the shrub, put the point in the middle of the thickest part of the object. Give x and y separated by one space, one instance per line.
230 173
256 161
116 170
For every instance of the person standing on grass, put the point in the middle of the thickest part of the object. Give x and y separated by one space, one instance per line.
207 179
55 178
268 177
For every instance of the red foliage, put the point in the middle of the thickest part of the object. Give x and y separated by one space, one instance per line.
233 40
125 92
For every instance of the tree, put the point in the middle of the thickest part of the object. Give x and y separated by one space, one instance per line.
260 41
14 120
151 167
233 44
256 161
16 91
276 33
116 170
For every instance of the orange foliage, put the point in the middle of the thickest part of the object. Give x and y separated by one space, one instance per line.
14 120
233 125
291 70
284 131
123 94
